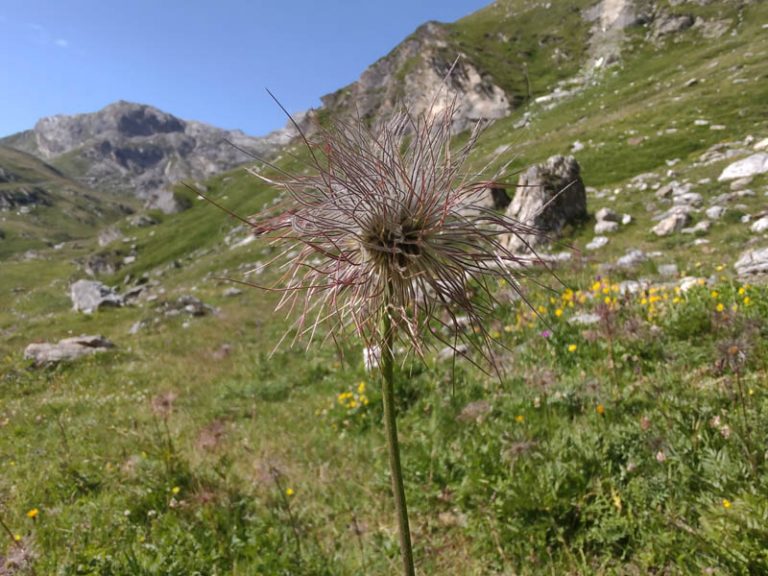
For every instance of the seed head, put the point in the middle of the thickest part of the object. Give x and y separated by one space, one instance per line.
388 221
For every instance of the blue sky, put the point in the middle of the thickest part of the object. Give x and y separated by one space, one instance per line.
200 60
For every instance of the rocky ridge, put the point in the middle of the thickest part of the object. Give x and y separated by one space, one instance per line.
139 150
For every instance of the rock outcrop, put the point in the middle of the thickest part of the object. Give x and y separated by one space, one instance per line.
68 349
549 196
420 71
88 296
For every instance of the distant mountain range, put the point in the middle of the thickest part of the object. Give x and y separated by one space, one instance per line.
137 150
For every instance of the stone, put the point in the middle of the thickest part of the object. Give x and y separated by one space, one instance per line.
606 227
750 166
671 224
607 215
752 262
67 349
626 219
688 199
631 259
715 212
760 226
109 235
762 145
232 291
668 270
548 196
186 304
597 243
740 183
89 295
690 282
699 228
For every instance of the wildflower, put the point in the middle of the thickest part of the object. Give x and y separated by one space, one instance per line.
361 388
558 312
519 418
572 348
175 490
726 503
289 492
545 334
600 409
390 225
714 294
17 537
33 513
747 301
719 307
660 456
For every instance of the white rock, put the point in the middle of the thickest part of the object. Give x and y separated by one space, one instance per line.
597 243
701 227
631 258
607 215
672 223
741 183
88 296
752 262
715 212
67 349
626 219
762 145
584 319
750 166
668 270
760 226
690 282
606 227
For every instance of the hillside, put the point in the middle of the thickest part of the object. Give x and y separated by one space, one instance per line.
626 434
40 207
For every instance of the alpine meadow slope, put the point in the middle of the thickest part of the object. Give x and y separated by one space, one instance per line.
626 435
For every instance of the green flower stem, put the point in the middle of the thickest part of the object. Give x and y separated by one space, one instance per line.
390 426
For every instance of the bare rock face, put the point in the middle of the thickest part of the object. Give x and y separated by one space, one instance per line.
752 262
89 295
548 197
68 349
139 150
414 73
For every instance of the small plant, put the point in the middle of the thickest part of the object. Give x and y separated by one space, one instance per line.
389 239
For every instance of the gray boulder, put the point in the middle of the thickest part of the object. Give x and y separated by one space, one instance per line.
548 196
752 262
89 295
67 349
750 166
672 223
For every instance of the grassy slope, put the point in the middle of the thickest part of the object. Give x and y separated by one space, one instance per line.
76 212
543 483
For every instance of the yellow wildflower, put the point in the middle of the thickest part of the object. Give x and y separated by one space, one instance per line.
720 307
714 294
361 388
726 503
175 490
747 300
572 347
558 312
519 418
600 409
289 492
33 513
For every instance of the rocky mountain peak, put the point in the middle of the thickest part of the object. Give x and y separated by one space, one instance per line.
139 150
422 71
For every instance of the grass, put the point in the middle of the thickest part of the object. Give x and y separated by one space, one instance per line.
631 446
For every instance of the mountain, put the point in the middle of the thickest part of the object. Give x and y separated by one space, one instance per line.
624 435
138 150
41 207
